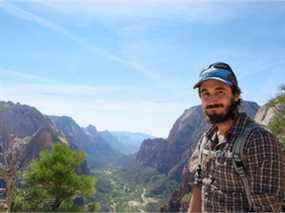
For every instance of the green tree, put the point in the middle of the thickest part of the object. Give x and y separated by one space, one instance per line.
277 125
51 182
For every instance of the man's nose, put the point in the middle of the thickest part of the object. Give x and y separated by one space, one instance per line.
213 98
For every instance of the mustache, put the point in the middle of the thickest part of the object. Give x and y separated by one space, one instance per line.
213 106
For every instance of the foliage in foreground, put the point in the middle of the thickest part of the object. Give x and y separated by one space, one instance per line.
277 125
51 182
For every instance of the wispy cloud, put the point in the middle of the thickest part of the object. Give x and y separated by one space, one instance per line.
59 90
28 16
268 67
100 93
15 85
15 75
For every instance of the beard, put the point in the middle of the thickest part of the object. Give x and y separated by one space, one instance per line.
230 112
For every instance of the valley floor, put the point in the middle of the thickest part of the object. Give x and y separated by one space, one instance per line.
121 190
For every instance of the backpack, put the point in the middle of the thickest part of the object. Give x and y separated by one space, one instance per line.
238 157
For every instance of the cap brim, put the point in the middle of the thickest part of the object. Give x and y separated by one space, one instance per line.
212 78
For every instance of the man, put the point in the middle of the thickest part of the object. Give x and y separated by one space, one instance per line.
228 180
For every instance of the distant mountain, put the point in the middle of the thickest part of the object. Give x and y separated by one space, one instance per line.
72 131
99 152
125 142
113 141
169 156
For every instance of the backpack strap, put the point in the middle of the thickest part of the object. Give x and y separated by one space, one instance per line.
238 157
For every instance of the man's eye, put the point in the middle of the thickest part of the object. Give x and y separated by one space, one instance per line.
221 92
205 94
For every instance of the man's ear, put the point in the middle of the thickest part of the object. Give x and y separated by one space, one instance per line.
237 97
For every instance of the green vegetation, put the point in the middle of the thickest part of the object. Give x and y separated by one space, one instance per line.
3 107
277 125
115 193
51 182
132 188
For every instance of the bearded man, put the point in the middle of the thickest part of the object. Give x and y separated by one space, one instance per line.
237 163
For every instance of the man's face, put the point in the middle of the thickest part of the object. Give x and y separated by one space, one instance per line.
217 99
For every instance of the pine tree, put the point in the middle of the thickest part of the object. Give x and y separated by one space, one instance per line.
51 182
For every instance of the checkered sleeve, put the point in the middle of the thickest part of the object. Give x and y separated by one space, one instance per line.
264 166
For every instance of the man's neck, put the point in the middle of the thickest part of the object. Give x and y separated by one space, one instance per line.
224 127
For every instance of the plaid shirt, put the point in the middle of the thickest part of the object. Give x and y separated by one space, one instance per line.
222 187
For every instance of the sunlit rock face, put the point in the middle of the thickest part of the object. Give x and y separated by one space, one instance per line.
32 131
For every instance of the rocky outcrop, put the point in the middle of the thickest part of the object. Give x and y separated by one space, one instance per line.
20 120
26 124
32 130
42 139
157 152
266 113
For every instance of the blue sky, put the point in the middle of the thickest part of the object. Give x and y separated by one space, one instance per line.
130 65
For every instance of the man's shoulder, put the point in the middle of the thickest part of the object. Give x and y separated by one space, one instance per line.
255 129
259 135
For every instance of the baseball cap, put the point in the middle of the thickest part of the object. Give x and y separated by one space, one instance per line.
218 71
